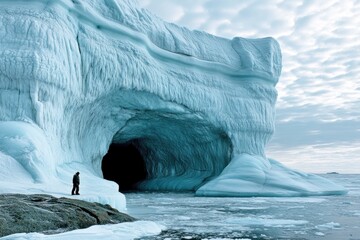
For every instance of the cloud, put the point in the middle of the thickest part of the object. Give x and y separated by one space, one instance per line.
162 10
315 132
319 88
319 158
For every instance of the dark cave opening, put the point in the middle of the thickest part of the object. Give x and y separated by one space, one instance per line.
124 165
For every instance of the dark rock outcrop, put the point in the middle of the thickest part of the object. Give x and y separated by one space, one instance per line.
47 214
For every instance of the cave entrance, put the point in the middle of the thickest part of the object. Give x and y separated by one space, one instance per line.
124 165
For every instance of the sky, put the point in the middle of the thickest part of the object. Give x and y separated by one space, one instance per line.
318 107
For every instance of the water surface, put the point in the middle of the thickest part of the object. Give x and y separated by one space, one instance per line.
190 217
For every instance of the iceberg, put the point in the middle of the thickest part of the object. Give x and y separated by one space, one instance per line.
110 90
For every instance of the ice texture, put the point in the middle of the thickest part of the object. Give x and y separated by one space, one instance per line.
77 76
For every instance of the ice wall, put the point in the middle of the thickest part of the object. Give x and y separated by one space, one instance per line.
76 76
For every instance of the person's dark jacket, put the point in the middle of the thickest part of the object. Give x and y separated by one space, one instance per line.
76 179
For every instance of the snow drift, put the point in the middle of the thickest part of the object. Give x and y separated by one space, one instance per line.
78 78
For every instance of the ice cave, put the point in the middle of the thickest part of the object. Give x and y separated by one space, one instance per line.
132 102
124 164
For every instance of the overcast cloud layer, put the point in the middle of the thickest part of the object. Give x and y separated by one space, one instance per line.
318 109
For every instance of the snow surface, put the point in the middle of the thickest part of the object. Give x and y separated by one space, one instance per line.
76 76
123 231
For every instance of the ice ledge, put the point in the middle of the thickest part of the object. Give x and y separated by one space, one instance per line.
255 176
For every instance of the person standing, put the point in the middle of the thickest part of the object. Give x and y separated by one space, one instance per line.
76 184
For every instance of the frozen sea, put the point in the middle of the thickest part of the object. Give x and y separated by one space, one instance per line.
188 217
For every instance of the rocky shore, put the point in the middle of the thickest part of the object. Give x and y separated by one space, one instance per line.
49 215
